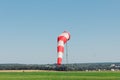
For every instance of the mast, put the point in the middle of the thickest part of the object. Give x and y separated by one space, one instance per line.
66 53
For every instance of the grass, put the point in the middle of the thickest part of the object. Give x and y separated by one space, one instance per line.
50 75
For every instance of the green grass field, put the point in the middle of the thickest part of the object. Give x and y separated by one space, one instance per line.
60 75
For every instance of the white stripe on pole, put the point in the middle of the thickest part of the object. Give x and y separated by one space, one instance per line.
60 55
61 43
65 35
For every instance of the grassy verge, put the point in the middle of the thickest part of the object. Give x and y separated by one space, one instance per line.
51 75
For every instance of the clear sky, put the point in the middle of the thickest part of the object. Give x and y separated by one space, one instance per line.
29 30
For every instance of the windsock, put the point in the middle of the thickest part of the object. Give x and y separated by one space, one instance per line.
61 40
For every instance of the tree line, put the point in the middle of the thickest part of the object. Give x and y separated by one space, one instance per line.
63 67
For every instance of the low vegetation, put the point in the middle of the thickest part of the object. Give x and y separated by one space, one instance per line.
64 67
68 75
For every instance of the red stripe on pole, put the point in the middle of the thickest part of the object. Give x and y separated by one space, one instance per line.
60 49
64 39
59 61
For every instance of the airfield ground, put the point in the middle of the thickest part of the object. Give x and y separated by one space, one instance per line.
56 75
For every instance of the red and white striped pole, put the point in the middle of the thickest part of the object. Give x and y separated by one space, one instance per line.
62 39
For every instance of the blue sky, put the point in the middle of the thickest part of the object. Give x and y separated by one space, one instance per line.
29 30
